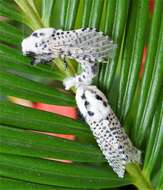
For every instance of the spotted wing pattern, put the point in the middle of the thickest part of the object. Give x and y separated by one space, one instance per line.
85 45
88 47
110 136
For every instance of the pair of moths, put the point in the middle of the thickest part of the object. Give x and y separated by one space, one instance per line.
87 47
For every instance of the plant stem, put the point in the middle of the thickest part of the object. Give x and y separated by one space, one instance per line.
69 72
139 180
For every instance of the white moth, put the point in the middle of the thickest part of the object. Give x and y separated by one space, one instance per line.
110 136
86 46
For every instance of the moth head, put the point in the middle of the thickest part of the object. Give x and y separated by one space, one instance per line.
37 45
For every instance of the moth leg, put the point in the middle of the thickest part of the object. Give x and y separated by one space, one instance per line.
65 64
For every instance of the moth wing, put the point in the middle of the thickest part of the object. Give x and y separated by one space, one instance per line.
108 145
95 44
84 44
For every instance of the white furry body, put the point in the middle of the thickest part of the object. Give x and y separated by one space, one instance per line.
110 136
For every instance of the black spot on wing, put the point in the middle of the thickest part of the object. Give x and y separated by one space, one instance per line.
35 34
83 29
69 53
98 97
90 113
83 96
120 147
85 57
30 54
80 80
86 103
105 104
48 53
94 68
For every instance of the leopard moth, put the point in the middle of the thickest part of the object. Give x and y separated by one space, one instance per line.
88 47
85 45
106 128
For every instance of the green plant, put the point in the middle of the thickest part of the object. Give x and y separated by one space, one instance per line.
137 101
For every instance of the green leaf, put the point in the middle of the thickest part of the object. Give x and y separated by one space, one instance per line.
8 10
160 179
107 19
72 9
59 14
151 53
58 174
126 57
30 71
155 142
28 118
8 184
14 85
120 17
135 62
28 143
10 55
83 15
10 34
30 13
154 90
46 12
36 5
95 14
106 26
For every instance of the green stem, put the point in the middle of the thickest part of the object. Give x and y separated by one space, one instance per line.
68 72
139 180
